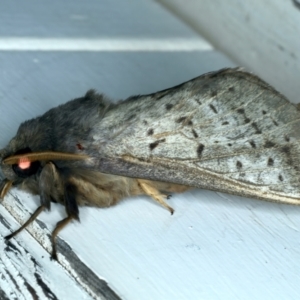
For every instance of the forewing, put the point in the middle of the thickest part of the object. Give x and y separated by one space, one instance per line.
227 131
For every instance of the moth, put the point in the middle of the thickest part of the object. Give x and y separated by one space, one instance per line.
227 131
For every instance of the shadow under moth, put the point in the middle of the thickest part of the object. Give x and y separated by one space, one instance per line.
227 131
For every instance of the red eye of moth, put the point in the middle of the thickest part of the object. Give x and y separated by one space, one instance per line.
24 163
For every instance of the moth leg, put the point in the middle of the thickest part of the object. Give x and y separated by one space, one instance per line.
47 183
154 193
71 206
5 187
59 226
31 219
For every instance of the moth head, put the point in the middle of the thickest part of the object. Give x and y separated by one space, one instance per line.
18 164
23 167
20 171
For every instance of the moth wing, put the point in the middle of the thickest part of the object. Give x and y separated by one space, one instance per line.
227 131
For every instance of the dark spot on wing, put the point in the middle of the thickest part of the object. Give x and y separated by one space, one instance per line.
145 122
280 177
213 108
239 165
252 143
287 138
242 112
214 93
264 112
150 131
138 109
79 146
216 142
231 89
169 106
225 123
131 117
257 130
198 101
156 143
195 133
190 123
269 144
286 149
200 150
275 123
270 162
153 145
229 145
181 119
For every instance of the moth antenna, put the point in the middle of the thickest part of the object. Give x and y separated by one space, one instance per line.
6 187
47 155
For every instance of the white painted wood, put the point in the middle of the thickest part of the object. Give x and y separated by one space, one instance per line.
102 44
28 273
215 246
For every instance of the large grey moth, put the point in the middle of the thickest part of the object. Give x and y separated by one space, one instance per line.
227 131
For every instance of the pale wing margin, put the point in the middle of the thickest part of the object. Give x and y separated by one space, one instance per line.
226 130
